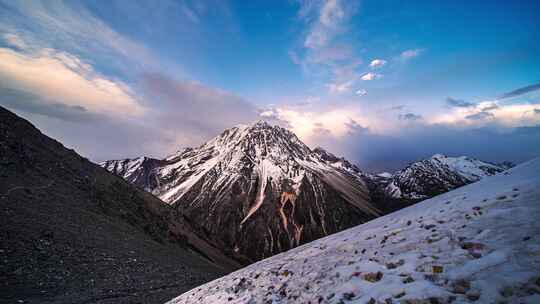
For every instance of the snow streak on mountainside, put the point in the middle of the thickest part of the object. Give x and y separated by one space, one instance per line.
479 243
257 189
436 175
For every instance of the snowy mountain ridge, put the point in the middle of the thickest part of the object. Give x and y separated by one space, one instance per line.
437 174
262 178
478 243
257 189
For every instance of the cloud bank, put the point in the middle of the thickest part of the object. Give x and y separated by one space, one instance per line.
110 96
63 77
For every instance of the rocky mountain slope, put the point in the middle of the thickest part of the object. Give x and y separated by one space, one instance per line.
475 244
71 232
256 190
138 171
435 175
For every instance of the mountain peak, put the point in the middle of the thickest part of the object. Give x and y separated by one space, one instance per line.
325 155
438 156
261 123
260 189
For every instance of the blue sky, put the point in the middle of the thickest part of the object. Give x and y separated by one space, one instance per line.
361 78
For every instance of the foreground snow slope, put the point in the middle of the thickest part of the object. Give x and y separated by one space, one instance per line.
477 243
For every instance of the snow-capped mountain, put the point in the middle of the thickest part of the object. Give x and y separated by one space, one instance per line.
436 175
138 171
475 244
256 189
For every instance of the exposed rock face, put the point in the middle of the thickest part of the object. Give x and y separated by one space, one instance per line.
436 175
137 171
71 232
257 190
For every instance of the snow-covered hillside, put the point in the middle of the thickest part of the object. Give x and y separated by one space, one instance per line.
479 243
436 175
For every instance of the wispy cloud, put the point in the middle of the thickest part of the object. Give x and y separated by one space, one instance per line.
32 103
409 54
361 92
410 117
377 63
61 77
497 112
395 108
371 76
328 24
184 106
479 116
502 116
307 124
520 91
325 50
76 30
340 88
453 102
70 71
14 41
488 106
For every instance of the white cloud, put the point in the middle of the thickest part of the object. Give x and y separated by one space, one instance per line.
328 25
330 54
326 55
408 54
361 92
331 13
76 30
377 63
14 41
63 77
488 112
340 88
307 124
371 76
410 117
66 89
295 58
268 113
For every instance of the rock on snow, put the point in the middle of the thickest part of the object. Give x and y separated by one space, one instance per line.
479 243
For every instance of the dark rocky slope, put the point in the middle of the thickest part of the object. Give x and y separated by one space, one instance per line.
71 232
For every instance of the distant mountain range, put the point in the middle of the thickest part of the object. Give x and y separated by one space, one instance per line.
257 190
429 177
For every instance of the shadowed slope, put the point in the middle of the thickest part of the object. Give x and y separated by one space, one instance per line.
71 232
